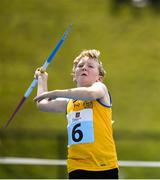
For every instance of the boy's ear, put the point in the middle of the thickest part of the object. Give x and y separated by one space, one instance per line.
100 78
74 79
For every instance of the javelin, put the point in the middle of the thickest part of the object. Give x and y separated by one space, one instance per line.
35 81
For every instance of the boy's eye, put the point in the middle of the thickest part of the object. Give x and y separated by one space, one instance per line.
90 66
80 65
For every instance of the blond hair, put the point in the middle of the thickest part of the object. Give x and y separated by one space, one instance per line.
92 54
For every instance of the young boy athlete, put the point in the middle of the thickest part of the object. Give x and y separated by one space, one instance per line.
91 148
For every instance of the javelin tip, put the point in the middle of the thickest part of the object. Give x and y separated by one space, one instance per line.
14 113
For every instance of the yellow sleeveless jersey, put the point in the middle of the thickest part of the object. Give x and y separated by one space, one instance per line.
90 141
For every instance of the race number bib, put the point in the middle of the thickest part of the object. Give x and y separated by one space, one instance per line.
80 127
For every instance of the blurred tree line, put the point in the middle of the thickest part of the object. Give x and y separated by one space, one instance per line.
154 4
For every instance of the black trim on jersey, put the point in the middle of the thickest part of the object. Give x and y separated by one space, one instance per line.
105 104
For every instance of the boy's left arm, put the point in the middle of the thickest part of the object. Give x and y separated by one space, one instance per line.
96 91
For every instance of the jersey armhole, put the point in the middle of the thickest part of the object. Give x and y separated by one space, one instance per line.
110 98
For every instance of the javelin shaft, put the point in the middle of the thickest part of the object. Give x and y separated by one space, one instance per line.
47 62
35 81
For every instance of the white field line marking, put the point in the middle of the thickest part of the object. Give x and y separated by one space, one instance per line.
62 162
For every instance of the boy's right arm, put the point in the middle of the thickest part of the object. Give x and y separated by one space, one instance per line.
57 105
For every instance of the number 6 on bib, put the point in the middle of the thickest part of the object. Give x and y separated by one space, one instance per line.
80 128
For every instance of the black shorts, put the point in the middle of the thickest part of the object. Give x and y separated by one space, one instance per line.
83 174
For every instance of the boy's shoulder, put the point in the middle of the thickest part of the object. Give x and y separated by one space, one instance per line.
100 84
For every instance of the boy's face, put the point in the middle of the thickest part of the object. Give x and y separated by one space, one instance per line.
87 72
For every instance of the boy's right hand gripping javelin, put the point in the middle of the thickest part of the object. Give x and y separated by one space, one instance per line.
41 74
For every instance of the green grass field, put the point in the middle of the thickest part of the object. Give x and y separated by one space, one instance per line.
129 41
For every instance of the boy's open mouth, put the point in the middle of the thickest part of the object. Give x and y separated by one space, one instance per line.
83 74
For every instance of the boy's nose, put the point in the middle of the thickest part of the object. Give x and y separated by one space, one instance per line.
84 68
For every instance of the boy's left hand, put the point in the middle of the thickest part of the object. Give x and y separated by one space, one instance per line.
41 97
